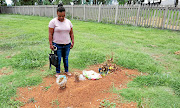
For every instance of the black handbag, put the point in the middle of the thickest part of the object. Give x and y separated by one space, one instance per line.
53 60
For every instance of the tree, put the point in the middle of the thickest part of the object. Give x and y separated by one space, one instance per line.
66 2
77 1
28 2
24 2
176 3
40 2
104 1
46 2
2 1
31 2
15 2
122 1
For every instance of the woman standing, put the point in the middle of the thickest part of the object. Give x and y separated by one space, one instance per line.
61 36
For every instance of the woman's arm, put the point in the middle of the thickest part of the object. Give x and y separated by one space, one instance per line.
51 32
72 38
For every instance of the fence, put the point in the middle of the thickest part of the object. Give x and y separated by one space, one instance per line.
156 17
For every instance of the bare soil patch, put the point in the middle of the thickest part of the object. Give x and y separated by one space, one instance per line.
83 94
5 71
177 53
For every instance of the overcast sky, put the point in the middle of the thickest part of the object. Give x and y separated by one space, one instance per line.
8 1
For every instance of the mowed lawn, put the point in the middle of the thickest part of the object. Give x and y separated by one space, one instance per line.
24 50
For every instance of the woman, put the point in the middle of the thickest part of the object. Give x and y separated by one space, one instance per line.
61 36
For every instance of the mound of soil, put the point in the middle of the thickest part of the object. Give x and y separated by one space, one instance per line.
83 94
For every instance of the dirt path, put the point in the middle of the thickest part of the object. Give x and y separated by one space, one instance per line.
83 94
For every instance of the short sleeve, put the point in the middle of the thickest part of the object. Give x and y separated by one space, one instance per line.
51 24
70 24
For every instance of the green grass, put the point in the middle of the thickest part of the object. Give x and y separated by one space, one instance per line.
24 50
107 104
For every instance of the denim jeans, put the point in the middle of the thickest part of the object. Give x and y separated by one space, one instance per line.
62 51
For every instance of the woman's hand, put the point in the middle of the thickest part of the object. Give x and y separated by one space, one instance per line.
72 44
52 47
72 38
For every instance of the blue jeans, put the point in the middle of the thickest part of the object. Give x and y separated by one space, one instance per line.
62 51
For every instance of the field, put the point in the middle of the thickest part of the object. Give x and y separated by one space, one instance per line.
24 50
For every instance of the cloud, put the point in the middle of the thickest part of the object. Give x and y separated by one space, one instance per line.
8 2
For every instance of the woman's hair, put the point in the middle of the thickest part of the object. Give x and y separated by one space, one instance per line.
60 8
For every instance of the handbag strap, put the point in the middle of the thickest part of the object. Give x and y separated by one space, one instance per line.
50 62
52 52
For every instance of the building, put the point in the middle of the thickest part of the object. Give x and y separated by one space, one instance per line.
95 2
170 2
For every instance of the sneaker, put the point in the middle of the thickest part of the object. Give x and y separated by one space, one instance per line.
68 73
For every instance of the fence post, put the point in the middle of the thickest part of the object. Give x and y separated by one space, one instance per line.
164 17
177 21
17 9
137 17
84 12
11 8
99 15
14 9
45 11
28 10
39 11
3 9
33 10
23 10
72 11
53 11
116 14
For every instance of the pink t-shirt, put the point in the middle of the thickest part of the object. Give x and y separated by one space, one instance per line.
61 30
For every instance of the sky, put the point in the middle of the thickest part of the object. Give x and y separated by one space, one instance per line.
8 2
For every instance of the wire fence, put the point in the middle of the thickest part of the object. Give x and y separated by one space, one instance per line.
147 16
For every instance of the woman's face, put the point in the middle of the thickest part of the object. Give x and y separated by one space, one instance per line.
61 16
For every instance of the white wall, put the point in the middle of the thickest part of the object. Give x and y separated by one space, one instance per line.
168 2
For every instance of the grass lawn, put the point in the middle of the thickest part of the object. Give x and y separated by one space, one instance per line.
24 50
